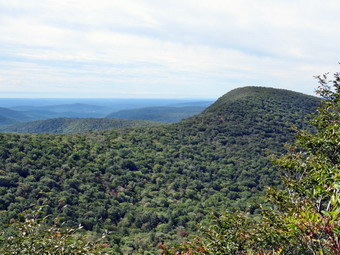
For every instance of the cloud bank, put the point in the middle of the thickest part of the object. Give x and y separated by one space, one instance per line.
170 49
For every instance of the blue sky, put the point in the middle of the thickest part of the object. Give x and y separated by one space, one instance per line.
164 49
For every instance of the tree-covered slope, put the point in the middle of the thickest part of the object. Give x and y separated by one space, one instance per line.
304 214
77 125
263 101
163 114
148 185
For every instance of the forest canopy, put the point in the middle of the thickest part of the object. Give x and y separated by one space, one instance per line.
154 184
304 216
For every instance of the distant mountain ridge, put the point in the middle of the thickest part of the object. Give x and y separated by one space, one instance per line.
74 125
76 110
163 114
4 120
166 111
9 116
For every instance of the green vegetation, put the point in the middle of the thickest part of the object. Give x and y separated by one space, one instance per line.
152 185
163 114
305 218
35 236
67 126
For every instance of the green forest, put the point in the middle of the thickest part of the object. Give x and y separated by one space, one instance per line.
145 186
75 125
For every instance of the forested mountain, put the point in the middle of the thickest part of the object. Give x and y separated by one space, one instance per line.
74 125
164 114
147 185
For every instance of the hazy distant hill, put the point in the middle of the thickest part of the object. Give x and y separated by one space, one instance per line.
6 121
8 116
75 125
40 109
77 110
163 114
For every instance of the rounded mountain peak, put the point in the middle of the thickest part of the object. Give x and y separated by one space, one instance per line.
260 96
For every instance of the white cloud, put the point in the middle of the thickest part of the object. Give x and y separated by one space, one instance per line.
165 47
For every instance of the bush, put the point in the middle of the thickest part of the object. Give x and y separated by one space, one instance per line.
35 236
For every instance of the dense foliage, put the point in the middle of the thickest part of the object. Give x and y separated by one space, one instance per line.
35 236
149 185
305 218
77 125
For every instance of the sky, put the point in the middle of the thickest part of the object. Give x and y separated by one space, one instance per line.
164 48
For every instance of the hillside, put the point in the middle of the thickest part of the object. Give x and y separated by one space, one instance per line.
256 111
8 116
69 125
148 185
163 114
4 120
